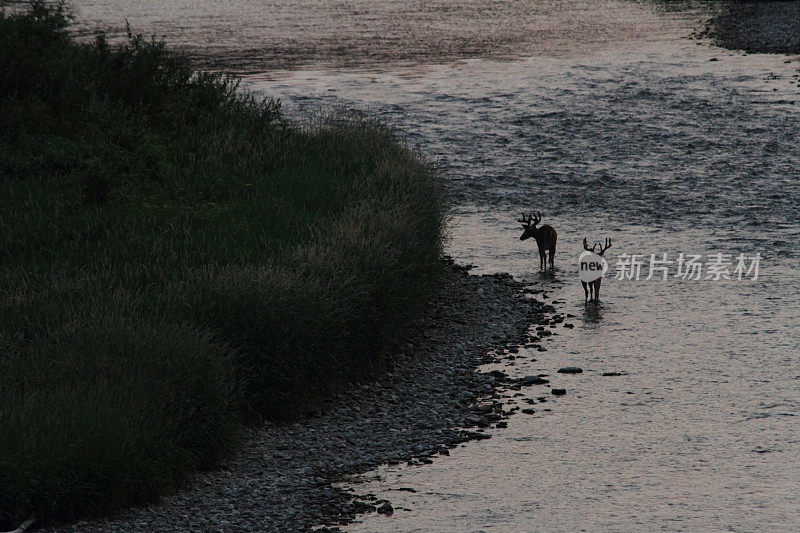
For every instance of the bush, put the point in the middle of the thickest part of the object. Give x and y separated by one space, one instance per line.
104 410
176 258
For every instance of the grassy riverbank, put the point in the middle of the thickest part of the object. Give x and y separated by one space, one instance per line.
175 258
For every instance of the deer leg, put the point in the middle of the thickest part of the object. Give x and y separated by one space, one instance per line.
542 260
597 290
585 291
552 258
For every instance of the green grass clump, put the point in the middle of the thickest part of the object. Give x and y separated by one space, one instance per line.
176 258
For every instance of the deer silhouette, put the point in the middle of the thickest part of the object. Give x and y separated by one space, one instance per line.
545 238
592 288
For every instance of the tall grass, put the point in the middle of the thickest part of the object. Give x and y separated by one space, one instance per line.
175 258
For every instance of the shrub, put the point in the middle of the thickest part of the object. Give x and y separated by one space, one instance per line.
175 257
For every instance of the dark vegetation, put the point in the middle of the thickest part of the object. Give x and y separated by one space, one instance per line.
771 27
175 259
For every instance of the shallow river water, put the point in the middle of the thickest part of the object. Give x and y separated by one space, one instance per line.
609 120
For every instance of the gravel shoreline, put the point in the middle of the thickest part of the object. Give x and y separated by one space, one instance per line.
757 27
429 400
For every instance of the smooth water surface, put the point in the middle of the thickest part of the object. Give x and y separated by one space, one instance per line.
608 120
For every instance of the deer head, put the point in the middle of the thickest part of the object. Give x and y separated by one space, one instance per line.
529 225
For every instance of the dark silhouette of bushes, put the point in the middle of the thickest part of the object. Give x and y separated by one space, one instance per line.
176 258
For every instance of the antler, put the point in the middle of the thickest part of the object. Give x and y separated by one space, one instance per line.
604 248
586 246
531 219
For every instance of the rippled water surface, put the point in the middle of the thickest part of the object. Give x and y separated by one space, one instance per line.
255 35
610 121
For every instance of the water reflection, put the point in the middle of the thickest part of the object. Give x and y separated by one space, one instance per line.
593 312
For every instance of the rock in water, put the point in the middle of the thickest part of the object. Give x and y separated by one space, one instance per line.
559 392
570 370
386 509
532 380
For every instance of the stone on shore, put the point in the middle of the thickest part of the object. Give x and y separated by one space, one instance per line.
532 380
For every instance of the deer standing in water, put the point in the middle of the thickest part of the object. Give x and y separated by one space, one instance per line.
594 286
545 238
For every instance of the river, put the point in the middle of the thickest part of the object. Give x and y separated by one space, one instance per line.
612 122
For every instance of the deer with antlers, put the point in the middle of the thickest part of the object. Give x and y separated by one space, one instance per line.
592 288
545 238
